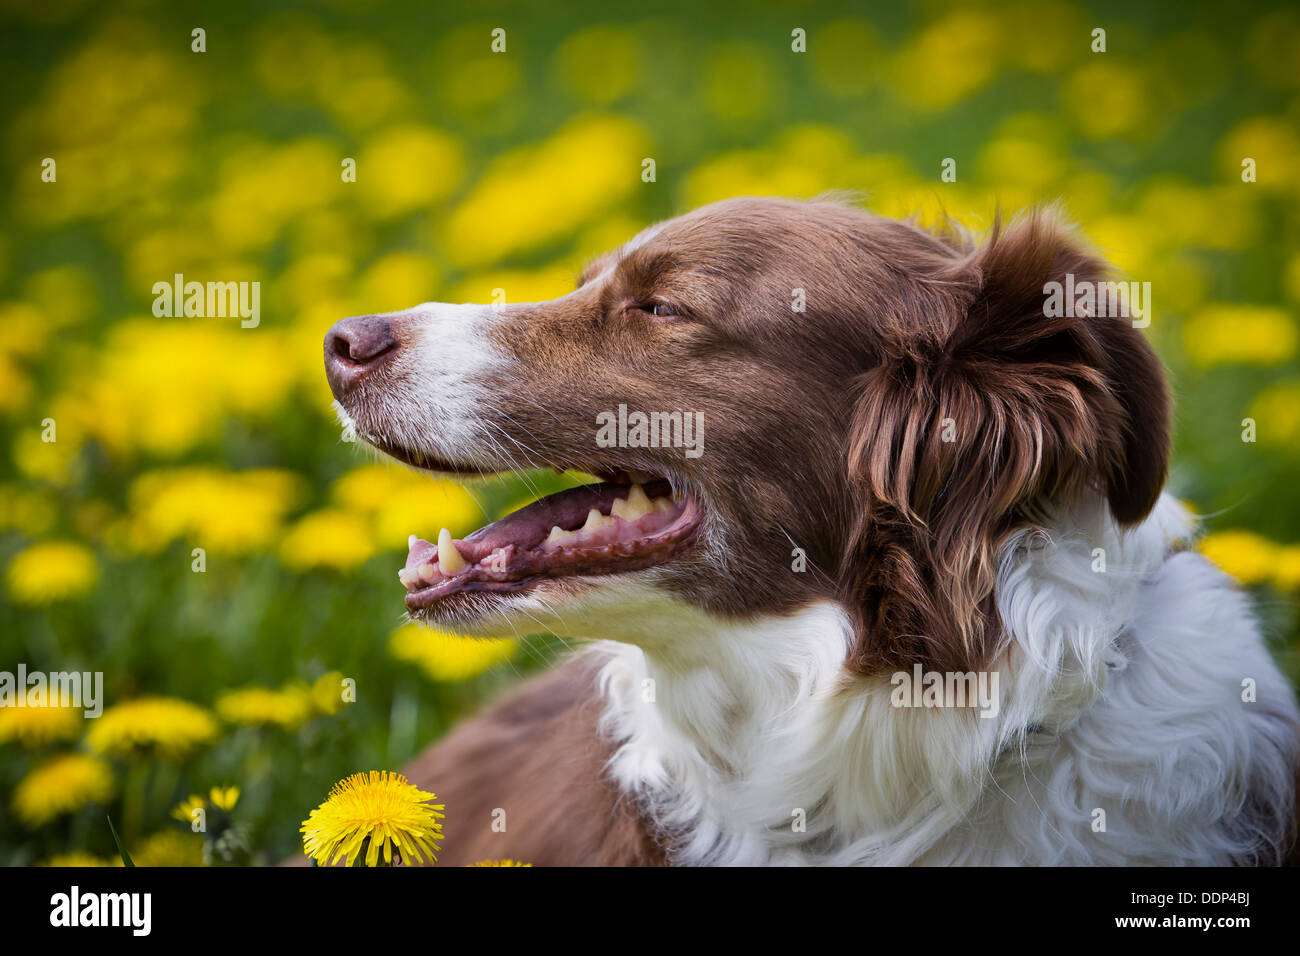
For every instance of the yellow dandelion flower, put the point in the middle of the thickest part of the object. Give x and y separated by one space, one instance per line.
498 863
78 860
1248 557
169 848
62 784
36 726
329 693
184 811
163 726
401 501
224 798
948 60
1223 333
52 571
449 657
365 811
329 538
583 166
412 167
223 512
288 707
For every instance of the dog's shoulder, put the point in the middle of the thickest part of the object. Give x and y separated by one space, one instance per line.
526 780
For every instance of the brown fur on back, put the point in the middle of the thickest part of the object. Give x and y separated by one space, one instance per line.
538 756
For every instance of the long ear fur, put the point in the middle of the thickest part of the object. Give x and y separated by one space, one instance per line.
976 423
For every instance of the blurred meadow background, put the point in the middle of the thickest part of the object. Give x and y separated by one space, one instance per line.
283 664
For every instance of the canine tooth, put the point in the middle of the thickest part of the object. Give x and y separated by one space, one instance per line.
596 520
410 542
450 559
427 572
408 576
637 504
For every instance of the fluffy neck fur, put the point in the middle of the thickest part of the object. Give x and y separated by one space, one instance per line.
1119 691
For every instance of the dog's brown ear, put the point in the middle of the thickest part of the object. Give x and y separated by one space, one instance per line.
979 421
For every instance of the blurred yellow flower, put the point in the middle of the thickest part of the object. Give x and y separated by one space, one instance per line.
402 502
169 848
948 60
223 512
37 726
165 727
1106 98
287 708
65 295
408 167
330 538
47 461
1248 557
1272 142
481 79
263 186
498 863
224 798
1229 333
1287 571
62 784
79 860
449 657
1212 217
534 195
24 330
1276 411
329 694
184 811
398 281
167 385
517 285
52 571
24 509
365 812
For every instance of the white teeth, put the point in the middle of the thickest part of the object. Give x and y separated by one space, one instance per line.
448 557
635 506
663 505
410 542
408 576
596 520
558 535
427 573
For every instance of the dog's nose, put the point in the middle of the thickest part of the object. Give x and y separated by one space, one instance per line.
354 348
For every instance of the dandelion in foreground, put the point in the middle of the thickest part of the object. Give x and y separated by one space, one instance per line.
367 811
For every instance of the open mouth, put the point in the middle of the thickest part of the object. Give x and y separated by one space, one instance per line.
613 527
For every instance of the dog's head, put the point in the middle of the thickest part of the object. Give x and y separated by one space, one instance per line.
787 402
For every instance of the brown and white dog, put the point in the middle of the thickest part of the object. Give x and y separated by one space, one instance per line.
911 479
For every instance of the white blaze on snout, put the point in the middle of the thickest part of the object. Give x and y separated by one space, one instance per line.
436 400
